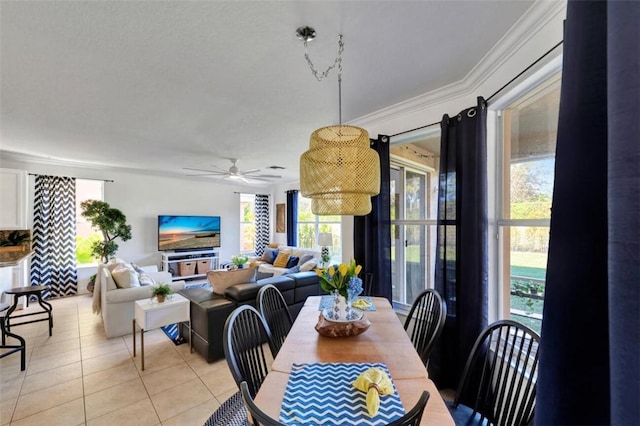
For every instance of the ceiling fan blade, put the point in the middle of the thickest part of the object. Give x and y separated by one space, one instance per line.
249 171
221 168
212 172
267 176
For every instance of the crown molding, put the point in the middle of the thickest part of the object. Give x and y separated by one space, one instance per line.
39 159
541 13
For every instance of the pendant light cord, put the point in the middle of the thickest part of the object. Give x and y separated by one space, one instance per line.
309 34
340 99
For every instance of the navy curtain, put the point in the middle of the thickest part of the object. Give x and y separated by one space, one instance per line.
590 344
53 262
292 218
261 215
372 232
461 274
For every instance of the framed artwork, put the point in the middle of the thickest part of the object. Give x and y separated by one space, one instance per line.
280 216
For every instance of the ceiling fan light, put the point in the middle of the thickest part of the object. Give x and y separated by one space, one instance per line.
340 172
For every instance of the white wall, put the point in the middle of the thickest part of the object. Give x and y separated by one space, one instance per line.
142 197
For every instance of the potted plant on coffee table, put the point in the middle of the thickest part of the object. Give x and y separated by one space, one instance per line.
161 291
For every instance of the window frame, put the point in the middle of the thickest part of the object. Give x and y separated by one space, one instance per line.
335 257
243 196
402 165
548 75
79 219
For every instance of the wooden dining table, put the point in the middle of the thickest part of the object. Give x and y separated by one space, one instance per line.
385 341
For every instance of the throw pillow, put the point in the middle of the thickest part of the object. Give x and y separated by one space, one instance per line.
304 259
293 261
125 277
114 262
108 279
143 278
269 255
221 280
281 260
273 245
309 265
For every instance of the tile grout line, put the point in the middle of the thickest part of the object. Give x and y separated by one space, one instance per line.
84 397
27 360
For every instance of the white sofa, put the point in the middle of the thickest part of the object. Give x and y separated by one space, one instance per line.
117 304
294 251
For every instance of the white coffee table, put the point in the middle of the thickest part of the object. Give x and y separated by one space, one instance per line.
150 314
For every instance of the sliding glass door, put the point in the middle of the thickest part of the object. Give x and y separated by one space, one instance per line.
412 231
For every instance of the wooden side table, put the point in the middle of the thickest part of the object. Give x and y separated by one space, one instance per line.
150 314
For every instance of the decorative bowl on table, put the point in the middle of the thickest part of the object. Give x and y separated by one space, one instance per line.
331 327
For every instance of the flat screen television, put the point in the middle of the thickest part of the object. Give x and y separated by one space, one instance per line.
183 233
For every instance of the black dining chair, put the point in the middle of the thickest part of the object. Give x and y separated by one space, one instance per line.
260 418
276 314
244 333
232 412
413 416
499 378
257 417
425 322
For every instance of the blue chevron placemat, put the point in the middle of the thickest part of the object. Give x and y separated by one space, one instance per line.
323 394
327 302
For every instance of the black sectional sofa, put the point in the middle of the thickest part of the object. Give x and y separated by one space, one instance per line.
209 311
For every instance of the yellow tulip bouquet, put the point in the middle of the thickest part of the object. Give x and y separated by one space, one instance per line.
341 279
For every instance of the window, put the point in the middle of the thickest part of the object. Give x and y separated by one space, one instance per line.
247 223
310 226
414 191
85 235
529 126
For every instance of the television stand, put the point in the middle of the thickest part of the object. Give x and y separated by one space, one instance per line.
190 265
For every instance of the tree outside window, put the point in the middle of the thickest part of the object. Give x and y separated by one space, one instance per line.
85 235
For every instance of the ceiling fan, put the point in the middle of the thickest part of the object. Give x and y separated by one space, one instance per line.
234 173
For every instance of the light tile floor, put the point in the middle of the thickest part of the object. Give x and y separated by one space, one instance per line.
79 377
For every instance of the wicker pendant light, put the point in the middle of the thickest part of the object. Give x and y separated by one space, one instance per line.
339 172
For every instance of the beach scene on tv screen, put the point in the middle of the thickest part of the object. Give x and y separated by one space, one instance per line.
188 232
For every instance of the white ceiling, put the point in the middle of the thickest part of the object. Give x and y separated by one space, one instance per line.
166 85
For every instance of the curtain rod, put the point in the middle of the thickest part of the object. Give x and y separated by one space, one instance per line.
495 93
413 130
74 177
525 70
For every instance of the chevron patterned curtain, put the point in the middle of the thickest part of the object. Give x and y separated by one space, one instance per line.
262 223
53 262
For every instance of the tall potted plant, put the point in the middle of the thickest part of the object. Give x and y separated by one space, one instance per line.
112 223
